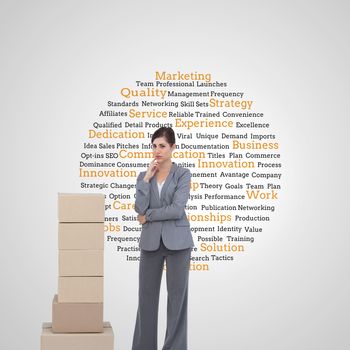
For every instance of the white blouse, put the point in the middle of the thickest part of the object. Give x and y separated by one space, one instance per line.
160 185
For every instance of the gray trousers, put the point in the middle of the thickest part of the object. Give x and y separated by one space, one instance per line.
150 275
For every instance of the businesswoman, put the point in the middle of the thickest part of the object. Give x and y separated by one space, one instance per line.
161 195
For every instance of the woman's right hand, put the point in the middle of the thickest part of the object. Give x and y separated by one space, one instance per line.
151 170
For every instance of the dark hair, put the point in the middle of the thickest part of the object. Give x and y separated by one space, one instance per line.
167 133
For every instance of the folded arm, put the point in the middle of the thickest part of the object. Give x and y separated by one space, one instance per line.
177 208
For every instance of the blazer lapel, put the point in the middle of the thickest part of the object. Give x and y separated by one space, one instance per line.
154 184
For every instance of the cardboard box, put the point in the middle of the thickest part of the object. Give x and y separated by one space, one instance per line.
80 289
81 207
76 317
77 341
80 262
75 235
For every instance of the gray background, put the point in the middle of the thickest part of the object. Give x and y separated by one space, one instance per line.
61 61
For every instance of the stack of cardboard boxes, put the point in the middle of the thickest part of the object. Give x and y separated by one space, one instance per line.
77 310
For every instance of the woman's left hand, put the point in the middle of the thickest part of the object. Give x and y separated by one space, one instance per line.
141 218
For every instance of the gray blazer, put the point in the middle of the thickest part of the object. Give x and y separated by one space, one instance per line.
165 215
